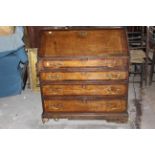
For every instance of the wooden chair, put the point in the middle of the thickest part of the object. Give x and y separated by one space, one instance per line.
152 56
137 39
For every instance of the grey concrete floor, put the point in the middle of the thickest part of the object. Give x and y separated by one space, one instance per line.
24 112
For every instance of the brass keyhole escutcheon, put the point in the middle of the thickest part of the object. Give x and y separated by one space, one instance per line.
84 73
82 33
84 86
50 32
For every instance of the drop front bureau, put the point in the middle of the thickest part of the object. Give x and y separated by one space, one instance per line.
84 73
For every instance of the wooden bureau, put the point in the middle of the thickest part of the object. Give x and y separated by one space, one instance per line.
84 73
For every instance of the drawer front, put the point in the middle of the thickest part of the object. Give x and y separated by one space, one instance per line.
110 75
114 90
105 62
115 105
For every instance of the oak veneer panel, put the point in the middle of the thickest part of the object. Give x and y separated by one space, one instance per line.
115 105
115 90
83 42
105 62
107 75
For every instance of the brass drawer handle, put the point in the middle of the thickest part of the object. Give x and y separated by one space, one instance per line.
56 106
53 64
112 90
53 77
47 64
55 91
113 76
57 65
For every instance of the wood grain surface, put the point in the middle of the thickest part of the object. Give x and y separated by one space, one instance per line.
115 90
115 105
104 62
58 76
83 42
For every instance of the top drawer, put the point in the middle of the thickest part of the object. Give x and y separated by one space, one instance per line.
119 62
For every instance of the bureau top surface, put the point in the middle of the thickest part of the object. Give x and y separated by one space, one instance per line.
83 42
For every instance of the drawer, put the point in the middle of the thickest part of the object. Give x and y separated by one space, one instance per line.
115 105
108 75
104 62
114 90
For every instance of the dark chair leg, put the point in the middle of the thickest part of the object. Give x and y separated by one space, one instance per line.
135 68
145 73
142 75
152 69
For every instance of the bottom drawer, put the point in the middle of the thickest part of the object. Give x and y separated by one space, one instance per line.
113 105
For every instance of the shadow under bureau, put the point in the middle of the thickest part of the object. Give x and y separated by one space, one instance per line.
84 73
